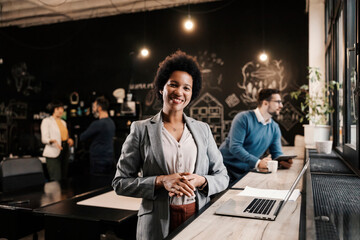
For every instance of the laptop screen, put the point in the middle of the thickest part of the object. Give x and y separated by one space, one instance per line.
296 181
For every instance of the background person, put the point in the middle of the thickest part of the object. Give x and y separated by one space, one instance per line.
251 134
55 136
101 132
179 163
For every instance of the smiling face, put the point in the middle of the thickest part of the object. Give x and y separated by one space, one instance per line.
177 91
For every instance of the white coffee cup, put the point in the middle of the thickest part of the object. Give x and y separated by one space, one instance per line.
324 146
272 166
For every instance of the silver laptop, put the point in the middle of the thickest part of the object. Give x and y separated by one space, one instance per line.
255 207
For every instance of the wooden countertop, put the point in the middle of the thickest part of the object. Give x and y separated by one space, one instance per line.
286 226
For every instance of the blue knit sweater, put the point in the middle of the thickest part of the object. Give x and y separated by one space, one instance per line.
248 140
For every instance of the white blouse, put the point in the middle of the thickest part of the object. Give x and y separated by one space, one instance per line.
180 157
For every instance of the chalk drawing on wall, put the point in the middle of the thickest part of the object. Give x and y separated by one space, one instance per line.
16 109
232 100
284 142
147 94
24 82
289 116
232 114
152 101
140 86
150 98
211 70
208 109
227 125
256 76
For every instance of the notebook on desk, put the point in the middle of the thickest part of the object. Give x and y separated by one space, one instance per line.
256 207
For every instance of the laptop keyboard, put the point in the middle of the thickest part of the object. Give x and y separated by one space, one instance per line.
260 206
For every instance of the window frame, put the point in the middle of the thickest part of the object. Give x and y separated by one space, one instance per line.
348 151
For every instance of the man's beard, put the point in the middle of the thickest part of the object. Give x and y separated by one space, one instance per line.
273 114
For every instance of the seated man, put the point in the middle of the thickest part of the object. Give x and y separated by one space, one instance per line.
252 133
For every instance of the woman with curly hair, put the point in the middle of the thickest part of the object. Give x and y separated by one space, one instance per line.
55 136
171 161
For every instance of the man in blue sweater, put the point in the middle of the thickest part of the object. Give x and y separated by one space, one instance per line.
101 132
252 133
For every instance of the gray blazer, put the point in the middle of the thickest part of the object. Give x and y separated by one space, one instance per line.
142 152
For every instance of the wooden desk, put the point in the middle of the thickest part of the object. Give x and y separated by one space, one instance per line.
282 179
52 192
291 150
68 220
17 220
286 226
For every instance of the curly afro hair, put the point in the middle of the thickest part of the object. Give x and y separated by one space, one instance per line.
178 61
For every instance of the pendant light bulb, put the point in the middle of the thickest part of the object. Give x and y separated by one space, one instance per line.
263 57
189 25
144 52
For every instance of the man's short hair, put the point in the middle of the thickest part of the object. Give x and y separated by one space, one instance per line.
265 94
103 103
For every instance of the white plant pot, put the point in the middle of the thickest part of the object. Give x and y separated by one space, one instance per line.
315 133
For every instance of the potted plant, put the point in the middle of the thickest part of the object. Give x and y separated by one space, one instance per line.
316 105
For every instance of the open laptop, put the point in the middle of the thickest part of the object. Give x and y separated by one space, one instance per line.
255 207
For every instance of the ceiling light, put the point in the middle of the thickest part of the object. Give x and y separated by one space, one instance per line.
189 25
144 52
263 57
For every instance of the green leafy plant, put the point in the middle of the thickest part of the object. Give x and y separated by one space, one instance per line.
316 106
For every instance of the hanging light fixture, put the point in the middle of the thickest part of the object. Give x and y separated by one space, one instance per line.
189 24
144 51
263 57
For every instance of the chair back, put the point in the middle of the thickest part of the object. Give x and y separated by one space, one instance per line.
21 173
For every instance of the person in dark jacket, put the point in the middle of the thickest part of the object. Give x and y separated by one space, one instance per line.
101 132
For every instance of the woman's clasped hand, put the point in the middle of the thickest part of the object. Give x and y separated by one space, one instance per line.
179 184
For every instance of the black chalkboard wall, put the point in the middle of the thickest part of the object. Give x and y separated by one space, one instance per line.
100 55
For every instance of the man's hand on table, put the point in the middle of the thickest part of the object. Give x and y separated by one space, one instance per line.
263 162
